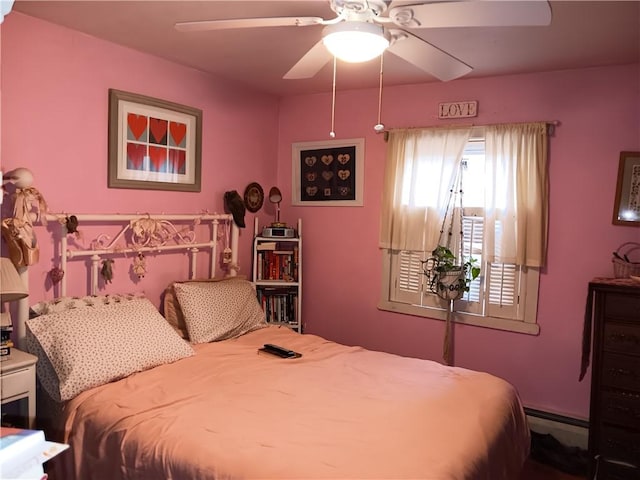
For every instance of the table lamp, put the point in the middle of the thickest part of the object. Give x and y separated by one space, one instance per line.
12 288
275 196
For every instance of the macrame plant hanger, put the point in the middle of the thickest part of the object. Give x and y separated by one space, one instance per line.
449 284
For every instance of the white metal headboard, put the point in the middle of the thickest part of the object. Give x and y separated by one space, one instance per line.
146 233
139 233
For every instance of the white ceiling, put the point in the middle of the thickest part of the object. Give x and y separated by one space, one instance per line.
582 34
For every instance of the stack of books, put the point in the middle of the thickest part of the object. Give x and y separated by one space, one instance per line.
22 453
279 305
274 264
5 336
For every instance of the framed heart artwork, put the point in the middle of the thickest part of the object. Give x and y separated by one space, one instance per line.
153 144
328 173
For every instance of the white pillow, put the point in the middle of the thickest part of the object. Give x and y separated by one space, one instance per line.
89 347
219 311
172 311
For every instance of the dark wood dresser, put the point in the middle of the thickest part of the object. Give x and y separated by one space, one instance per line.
614 423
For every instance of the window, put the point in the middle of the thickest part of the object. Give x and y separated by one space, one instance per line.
504 296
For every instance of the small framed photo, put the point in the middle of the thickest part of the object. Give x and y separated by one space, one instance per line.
153 144
626 210
328 173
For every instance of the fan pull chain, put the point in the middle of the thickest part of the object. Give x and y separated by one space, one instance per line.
332 133
379 127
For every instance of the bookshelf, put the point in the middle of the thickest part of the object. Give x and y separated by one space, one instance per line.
277 276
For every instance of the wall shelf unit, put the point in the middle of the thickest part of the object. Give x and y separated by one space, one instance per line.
277 275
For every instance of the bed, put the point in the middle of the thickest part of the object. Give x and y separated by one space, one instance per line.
213 406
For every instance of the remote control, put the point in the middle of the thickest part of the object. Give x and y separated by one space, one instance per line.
278 350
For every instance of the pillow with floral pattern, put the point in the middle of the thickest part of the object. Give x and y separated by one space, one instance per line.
83 348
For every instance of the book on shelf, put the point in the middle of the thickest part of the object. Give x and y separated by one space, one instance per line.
266 246
5 350
22 453
277 265
279 305
5 335
5 338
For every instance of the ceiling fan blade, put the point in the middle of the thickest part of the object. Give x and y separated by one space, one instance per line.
427 57
477 13
310 63
204 25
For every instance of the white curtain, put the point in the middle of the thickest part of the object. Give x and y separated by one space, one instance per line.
516 193
420 170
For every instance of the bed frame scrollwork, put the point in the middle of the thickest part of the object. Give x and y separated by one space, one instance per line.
141 233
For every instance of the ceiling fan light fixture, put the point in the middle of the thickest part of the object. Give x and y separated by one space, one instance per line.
355 41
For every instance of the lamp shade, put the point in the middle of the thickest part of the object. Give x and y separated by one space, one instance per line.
355 41
274 195
12 287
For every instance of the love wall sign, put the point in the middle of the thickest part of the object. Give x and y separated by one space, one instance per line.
462 109
153 144
328 173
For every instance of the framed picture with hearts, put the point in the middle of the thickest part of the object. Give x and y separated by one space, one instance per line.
328 173
153 144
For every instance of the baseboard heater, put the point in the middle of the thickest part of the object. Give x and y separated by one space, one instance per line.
568 430
554 417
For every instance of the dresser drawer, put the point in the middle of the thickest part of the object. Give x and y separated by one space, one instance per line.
622 306
623 338
17 383
621 371
621 408
620 444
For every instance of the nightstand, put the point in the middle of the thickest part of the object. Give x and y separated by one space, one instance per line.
18 383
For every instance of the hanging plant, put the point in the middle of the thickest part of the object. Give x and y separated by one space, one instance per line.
448 279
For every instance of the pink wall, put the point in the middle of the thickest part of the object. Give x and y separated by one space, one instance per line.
55 84
599 111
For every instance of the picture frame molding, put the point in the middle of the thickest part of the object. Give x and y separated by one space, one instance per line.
118 100
628 161
296 179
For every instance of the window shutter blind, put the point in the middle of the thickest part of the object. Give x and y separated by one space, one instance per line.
473 238
472 245
408 282
503 284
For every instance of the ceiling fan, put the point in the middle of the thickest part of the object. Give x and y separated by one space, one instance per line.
388 27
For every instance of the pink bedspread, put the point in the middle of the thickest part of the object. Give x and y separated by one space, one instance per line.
336 413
